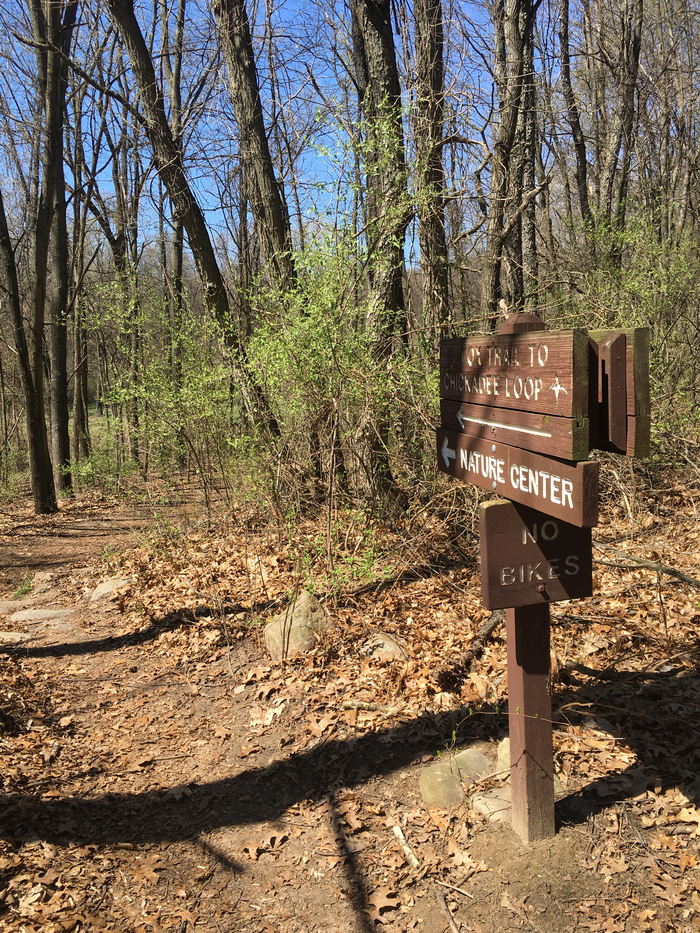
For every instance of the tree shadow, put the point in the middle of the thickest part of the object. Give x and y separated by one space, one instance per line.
174 620
655 714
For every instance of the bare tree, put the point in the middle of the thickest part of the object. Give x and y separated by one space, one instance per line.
266 195
428 131
170 164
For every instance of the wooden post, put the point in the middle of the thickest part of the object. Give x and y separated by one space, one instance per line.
530 722
529 703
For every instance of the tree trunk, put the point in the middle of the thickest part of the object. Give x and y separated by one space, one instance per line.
428 140
43 489
387 213
169 161
266 196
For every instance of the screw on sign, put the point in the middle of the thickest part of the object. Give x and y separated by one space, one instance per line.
520 410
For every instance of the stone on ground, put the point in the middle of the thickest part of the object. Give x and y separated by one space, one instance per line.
494 805
297 629
41 615
503 757
472 764
383 648
441 783
108 588
13 638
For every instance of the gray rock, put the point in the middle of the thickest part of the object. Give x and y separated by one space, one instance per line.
41 615
383 648
297 630
440 784
472 764
494 805
42 581
503 757
13 638
108 588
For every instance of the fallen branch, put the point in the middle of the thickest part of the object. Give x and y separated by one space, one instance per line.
367 707
454 887
447 912
407 850
456 673
634 563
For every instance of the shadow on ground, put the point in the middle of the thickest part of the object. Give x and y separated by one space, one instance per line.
654 714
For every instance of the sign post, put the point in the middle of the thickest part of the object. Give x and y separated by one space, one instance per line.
520 409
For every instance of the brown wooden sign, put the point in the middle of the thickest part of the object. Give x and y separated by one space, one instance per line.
538 371
561 437
529 558
620 365
564 490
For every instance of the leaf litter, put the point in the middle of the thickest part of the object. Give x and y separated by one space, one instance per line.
162 774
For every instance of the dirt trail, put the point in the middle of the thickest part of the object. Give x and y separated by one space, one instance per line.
161 774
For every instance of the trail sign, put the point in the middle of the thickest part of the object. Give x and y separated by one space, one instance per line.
568 491
621 379
538 371
529 559
560 437
510 404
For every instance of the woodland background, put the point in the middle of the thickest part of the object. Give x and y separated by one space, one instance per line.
232 234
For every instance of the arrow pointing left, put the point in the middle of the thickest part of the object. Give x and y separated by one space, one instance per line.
447 454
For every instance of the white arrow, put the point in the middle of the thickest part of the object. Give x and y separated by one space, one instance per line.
461 419
447 454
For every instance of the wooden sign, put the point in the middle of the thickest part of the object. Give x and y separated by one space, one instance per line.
539 371
560 437
564 490
620 365
528 558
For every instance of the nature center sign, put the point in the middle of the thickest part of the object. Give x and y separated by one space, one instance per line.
568 491
515 420
520 411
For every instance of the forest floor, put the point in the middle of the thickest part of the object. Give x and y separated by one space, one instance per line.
159 772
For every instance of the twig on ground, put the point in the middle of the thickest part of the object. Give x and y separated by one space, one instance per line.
453 887
461 666
367 707
634 563
447 912
407 850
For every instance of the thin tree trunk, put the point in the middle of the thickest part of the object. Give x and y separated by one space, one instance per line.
428 139
169 161
266 196
43 489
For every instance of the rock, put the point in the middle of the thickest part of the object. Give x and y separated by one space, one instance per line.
42 581
472 764
383 648
440 784
503 757
503 766
297 630
13 638
494 805
108 588
41 615
12 605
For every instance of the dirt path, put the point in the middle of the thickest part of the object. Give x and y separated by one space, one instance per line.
161 774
